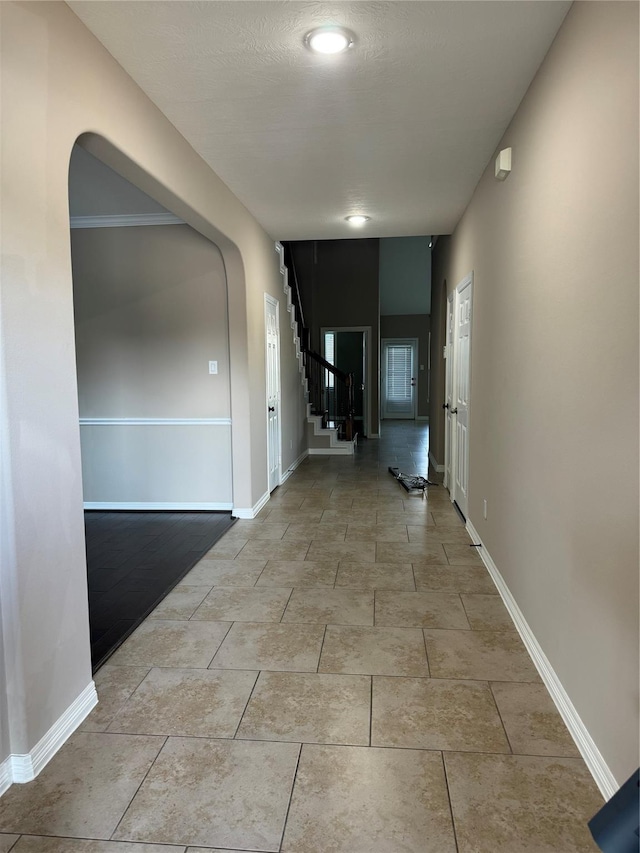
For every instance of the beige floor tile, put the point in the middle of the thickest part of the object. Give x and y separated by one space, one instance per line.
420 610
377 533
258 530
397 576
429 533
419 555
227 793
318 502
224 573
114 685
461 579
402 517
446 518
521 804
41 844
309 708
325 532
276 647
293 516
187 702
479 655
234 604
487 613
462 555
379 504
320 550
533 724
374 651
427 713
181 603
181 644
211 850
298 573
286 501
354 800
226 548
348 516
7 842
330 606
291 549
85 789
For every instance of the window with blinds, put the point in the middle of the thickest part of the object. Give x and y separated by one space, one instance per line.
329 354
399 369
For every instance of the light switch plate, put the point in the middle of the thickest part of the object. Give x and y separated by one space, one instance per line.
213 367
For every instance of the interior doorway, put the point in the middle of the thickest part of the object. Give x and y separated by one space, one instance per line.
458 393
348 349
399 378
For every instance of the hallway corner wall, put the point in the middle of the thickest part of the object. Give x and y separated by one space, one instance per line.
554 398
47 53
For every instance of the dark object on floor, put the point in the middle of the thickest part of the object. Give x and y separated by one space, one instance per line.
133 560
411 482
615 828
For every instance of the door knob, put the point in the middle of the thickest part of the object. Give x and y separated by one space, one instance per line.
445 405
454 411
272 408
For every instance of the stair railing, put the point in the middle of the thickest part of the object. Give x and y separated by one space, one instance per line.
331 394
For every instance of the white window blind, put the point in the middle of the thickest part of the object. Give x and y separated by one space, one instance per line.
329 354
399 369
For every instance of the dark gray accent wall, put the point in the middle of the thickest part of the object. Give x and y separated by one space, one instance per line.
339 285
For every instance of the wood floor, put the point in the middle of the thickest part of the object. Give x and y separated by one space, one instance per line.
133 560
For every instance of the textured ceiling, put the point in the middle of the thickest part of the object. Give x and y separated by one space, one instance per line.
400 127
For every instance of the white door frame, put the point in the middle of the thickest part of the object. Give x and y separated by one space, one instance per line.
274 471
366 402
448 395
453 370
383 374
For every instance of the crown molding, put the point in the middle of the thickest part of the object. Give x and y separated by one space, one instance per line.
125 220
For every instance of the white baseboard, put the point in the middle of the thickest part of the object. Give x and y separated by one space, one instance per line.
250 512
175 506
25 768
6 776
284 477
604 778
374 435
332 451
434 463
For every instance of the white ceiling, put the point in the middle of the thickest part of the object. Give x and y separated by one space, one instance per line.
400 127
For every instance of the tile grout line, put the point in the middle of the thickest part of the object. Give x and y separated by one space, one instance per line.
322 647
495 702
255 684
453 820
293 785
371 713
226 634
142 781
280 622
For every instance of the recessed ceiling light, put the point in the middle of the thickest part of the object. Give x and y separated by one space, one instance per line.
329 40
357 219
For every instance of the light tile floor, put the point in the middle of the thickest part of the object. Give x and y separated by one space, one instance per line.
336 676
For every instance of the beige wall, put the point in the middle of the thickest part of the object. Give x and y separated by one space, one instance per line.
58 83
412 326
150 307
554 401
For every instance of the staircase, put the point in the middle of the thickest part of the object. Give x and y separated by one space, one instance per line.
328 391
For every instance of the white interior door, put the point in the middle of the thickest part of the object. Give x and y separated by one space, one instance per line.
462 390
272 335
449 436
399 363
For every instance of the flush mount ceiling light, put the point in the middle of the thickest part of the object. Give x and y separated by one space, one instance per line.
329 40
357 219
